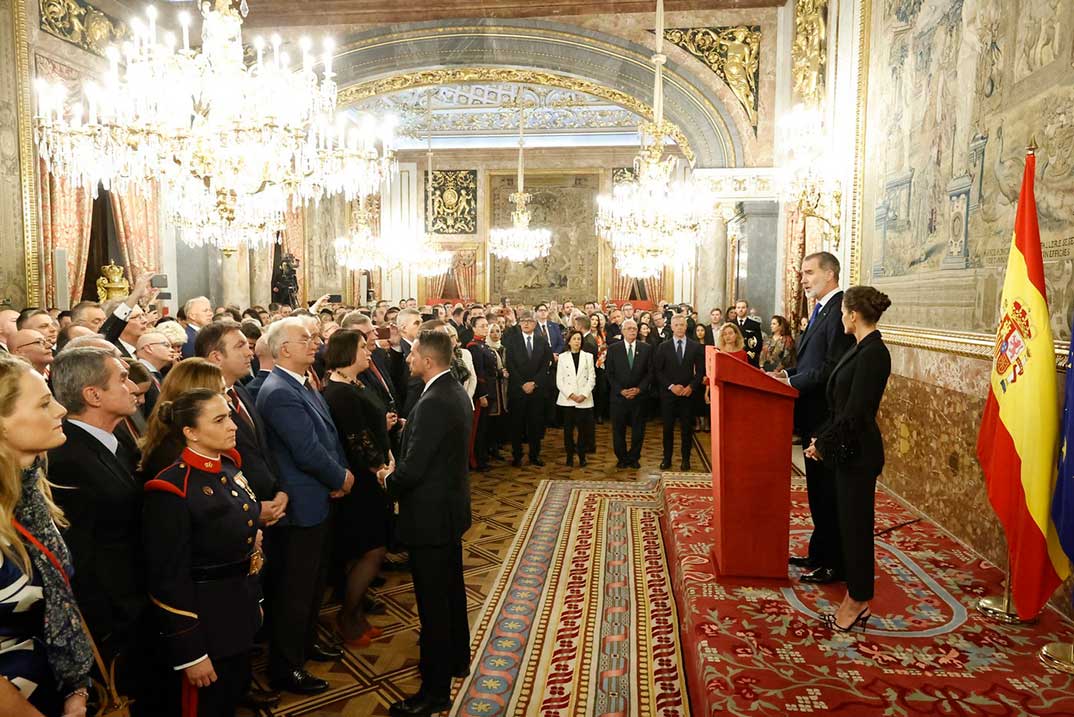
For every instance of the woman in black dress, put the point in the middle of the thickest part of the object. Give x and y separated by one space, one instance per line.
850 442
363 422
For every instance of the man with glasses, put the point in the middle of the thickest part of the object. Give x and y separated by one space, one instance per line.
408 322
31 345
312 470
156 353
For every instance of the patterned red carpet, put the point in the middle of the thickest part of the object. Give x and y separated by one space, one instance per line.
761 650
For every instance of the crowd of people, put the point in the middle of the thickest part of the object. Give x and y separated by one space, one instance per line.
178 489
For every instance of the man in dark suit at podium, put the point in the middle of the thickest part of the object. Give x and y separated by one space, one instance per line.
819 349
679 369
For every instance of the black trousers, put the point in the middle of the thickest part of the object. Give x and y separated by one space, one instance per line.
601 394
824 544
297 586
481 438
681 409
855 498
628 413
445 629
582 418
527 419
221 698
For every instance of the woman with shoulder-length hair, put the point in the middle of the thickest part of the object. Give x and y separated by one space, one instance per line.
203 554
45 657
850 442
576 377
362 523
159 446
778 353
730 341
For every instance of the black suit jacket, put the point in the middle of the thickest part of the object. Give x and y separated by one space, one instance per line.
753 339
819 350
103 504
621 375
590 345
258 460
386 391
668 371
431 481
524 368
851 437
111 329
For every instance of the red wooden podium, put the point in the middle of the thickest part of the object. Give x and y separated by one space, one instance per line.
752 423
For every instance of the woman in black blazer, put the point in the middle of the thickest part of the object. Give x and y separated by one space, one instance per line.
850 442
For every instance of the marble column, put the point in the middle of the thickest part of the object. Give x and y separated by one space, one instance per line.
12 253
710 284
235 275
261 276
759 269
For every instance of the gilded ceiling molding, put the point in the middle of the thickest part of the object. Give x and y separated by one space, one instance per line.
809 51
352 94
454 202
733 53
81 24
27 157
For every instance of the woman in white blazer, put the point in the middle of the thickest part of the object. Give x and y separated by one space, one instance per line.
575 378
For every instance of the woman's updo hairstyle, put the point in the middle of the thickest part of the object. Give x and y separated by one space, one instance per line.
183 412
870 303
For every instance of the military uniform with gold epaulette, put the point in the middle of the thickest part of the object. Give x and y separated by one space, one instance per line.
200 527
752 339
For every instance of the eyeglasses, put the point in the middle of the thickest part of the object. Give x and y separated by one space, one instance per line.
39 342
307 340
160 343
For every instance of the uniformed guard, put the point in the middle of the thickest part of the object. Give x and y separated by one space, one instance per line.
204 552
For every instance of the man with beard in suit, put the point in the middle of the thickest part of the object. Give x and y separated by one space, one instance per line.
751 332
431 483
529 361
679 369
819 349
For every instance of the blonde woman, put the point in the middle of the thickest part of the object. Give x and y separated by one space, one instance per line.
45 651
730 341
159 447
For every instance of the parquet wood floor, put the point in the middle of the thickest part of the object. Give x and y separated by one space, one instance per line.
367 681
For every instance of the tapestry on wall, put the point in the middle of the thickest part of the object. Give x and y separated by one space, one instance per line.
566 204
454 204
957 90
325 222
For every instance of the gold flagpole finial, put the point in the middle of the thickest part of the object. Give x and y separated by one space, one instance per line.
1032 148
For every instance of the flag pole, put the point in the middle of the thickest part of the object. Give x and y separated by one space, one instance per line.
1000 609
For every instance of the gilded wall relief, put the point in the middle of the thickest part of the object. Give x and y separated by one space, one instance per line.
81 24
566 204
957 90
809 50
733 53
324 223
621 175
454 202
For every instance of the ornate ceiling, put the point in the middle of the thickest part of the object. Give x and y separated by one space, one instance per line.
491 109
284 13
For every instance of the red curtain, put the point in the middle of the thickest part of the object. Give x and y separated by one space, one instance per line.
66 217
620 286
465 267
434 286
135 212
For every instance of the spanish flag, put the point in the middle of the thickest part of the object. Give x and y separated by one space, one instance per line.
1018 442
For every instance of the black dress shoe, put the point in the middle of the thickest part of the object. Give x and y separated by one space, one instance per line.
634 464
800 562
621 465
685 465
516 463
324 653
372 606
570 461
300 682
665 465
420 705
257 699
537 462
582 461
821 576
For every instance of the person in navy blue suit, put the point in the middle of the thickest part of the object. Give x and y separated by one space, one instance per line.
198 312
550 330
312 471
819 350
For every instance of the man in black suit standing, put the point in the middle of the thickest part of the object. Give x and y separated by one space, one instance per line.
627 367
661 330
529 362
819 350
751 332
679 368
431 483
408 321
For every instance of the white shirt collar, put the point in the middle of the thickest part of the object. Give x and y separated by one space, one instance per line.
108 440
300 377
152 369
130 349
629 344
824 299
433 379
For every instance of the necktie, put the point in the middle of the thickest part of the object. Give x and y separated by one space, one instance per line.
544 330
630 355
239 408
679 349
816 310
376 372
529 345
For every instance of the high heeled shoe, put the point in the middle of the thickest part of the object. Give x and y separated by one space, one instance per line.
862 619
365 639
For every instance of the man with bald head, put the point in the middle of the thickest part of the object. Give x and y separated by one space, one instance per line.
8 317
155 352
199 313
265 364
34 347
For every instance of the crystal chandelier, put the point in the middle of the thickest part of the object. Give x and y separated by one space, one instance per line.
811 175
362 249
211 131
421 256
519 242
653 220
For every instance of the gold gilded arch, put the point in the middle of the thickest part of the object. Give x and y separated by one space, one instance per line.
352 94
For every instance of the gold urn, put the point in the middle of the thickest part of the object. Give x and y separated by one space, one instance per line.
112 284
